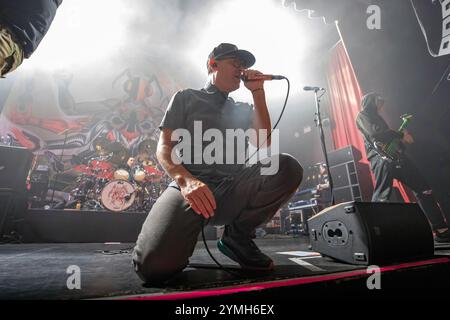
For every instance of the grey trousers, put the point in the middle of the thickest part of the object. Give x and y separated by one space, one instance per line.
244 201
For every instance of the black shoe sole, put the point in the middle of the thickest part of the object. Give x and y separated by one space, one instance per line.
229 253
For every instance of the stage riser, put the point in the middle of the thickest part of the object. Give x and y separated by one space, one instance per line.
63 226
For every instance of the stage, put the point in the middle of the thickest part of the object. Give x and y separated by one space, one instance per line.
325 129
45 271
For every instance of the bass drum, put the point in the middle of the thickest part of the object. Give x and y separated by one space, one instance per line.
118 195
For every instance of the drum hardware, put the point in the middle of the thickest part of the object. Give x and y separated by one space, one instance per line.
39 179
58 169
109 181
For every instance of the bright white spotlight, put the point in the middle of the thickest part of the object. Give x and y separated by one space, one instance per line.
264 27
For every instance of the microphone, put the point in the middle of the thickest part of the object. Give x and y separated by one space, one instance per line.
313 88
263 77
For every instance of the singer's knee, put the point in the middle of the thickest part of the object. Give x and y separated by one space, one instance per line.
290 170
157 267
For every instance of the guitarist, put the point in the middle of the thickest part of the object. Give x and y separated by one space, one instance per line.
375 129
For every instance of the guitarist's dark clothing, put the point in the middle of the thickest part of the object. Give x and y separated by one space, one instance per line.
374 128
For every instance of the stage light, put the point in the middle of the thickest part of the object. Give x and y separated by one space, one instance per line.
265 28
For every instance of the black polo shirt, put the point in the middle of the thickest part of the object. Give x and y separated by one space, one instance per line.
217 111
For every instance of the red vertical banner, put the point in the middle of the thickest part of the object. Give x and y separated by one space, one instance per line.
345 98
345 102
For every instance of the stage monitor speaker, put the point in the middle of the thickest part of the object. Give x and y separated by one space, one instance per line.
365 233
344 155
351 178
13 207
6 205
15 164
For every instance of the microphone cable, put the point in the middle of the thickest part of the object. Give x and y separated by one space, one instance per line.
276 123
221 267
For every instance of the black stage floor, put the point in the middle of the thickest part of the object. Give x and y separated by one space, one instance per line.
39 271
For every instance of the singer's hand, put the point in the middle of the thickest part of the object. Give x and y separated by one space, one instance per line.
199 197
253 84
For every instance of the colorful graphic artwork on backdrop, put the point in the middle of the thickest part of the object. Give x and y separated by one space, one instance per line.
41 114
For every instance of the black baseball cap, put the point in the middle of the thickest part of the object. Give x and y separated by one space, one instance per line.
228 50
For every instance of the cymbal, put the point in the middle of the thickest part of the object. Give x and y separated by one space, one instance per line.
147 163
120 154
147 147
100 145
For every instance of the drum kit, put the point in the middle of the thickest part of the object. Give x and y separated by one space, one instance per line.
111 179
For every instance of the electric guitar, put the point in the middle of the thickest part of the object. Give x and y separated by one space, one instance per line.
393 150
